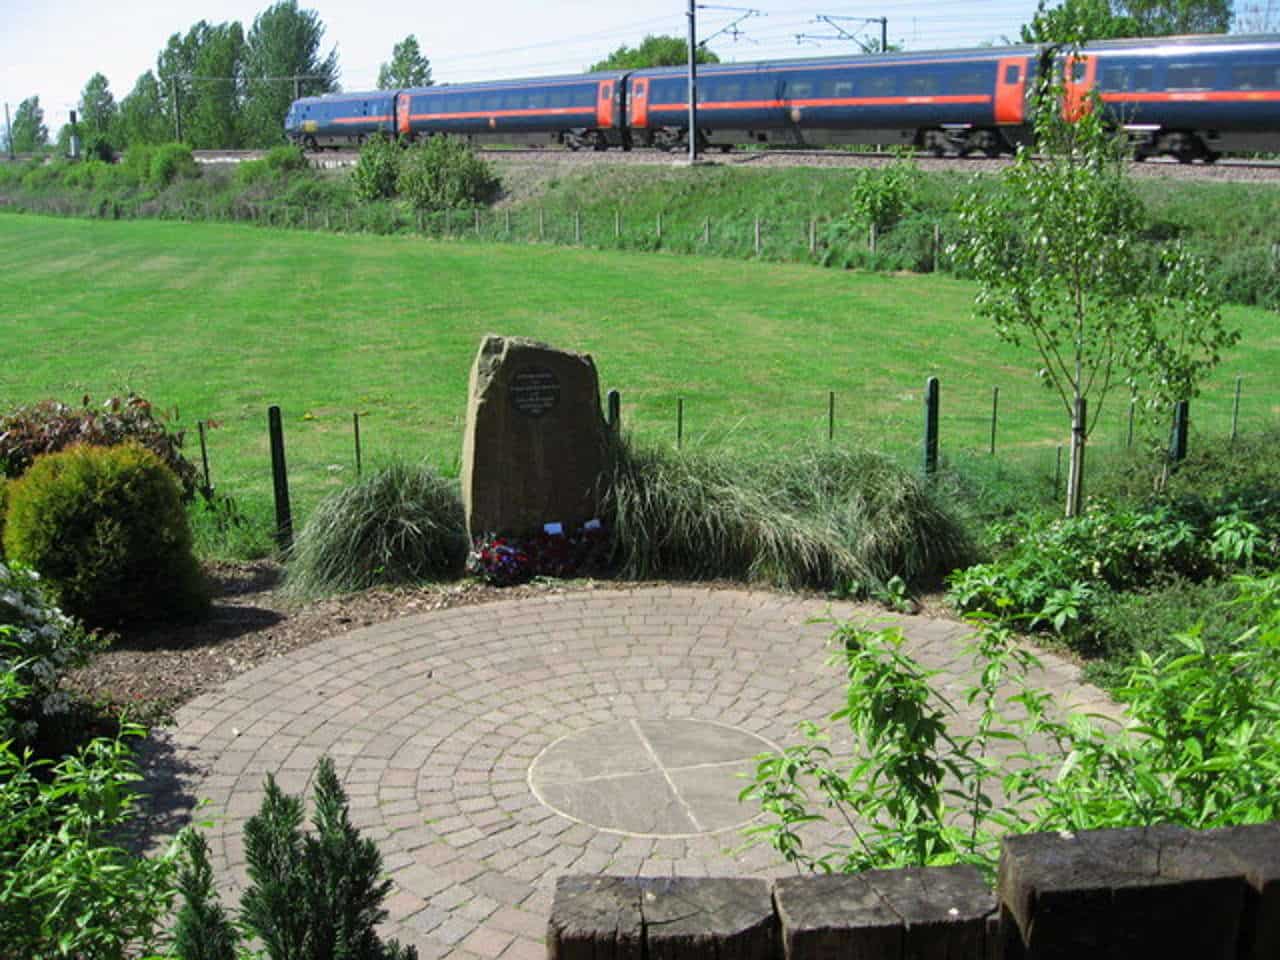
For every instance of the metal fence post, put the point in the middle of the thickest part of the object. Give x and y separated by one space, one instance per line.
931 426
280 480
615 410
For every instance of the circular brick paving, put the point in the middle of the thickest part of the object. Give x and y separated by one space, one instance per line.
480 746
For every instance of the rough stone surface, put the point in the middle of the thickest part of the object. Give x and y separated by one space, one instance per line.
691 918
535 439
1155 891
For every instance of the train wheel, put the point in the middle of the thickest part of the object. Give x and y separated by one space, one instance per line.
309 143
934 142
984 142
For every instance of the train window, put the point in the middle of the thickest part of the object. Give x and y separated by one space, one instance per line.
760 90
1143 78
1012 73
584 96
878 85
1255 77
972 81
731 92
1114 78
922 85
1079 70
558 99
842 88
798 91
1189 76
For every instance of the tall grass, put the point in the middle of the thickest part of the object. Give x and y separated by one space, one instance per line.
402 524
825 518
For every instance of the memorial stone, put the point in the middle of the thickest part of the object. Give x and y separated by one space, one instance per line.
535 444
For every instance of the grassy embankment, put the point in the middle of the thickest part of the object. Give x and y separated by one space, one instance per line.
220 321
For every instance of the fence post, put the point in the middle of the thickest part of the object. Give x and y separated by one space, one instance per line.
577 227
813 235
679 422
542 225
659 225
1057 472
757 236
617 224
706 232
1178 439
615 410
995 406
831 416
355 423
204 459
931 426
507 221
280 480
477 221
1133 404
871 239
1235 411
937 245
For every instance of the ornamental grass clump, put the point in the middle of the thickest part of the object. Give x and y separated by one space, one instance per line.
401 524
828 519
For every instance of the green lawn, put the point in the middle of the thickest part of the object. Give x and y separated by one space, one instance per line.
221 321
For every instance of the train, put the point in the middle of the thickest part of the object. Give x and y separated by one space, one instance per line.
1190 98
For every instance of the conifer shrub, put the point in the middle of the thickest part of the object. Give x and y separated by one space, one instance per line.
106 527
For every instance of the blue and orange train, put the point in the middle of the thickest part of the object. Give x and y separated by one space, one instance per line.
1186 97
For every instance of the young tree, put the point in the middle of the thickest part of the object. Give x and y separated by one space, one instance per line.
408 67
1056 254
212 116
97 107
654 51
29 131
283 62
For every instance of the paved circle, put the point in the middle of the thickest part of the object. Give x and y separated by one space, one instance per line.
650 778
447 727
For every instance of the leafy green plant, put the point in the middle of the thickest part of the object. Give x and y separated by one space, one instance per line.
378 170
38 645
67 889
400 524
170 161
50 426
881 196
443 173
106 527
316 896
1201 748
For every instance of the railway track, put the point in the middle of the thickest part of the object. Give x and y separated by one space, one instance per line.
1227 169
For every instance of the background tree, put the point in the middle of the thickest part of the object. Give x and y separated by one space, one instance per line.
282 61
654 51
212 119
408 67
1077 21
1162 18
97 107
142 117
1056 254
29 132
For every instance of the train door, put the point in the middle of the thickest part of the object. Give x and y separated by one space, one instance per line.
640 103
1011 90
1079 76
402 114
604 105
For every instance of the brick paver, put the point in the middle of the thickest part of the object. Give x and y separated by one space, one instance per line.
435 721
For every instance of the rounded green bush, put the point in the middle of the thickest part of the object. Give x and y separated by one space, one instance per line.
106 527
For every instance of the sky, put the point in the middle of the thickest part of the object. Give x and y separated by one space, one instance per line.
51 48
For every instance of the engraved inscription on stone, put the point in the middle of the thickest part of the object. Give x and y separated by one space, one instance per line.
534 391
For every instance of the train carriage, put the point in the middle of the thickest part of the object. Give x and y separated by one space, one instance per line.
952 101
339 119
